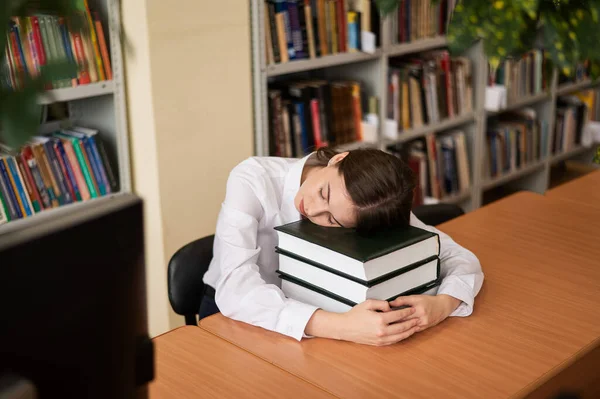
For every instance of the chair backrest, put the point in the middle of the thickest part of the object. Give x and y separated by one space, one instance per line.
435 214
185 271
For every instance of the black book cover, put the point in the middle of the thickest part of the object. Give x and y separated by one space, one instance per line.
360 247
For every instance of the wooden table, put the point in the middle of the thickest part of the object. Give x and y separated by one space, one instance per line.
191 363
535 328
583 190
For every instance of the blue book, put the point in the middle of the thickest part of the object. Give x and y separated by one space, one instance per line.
296 30
12 165
304 130
282 7
15 28
97 159
85 141
8 194
66 42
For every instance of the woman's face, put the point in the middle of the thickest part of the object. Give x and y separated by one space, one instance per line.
323 198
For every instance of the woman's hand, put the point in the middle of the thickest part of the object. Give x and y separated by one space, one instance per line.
429 309
364 325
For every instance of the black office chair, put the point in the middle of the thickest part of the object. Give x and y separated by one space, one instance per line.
188 265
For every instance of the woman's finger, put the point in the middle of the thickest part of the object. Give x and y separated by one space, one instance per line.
392 339
397 328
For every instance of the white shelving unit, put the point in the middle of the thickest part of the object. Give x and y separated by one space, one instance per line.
372 71
98 106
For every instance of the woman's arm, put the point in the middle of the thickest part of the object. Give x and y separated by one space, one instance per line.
371 322
241 293
462 279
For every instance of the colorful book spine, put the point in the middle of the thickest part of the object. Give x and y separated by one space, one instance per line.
18 186
7 194
33 167
81 158
103 47
29 184
67 169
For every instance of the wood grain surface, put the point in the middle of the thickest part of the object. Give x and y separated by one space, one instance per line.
583 190
191 363
536 315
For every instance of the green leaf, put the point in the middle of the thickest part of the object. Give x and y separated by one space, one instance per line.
52 72
19 116
462 31
387 7
20 111
57 7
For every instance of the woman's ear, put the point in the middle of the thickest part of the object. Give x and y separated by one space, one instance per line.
337 158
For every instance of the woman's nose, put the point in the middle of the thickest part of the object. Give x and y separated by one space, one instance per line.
316 209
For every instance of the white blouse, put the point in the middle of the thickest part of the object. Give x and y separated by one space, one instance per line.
260 195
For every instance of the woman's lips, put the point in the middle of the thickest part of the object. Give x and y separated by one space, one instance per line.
301 206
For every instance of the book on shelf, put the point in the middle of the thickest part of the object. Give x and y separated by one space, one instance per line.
417 19
429 88
591 99
49 171
309 114
571 117
514 140
37 40
319 264
440 164
307 29
522 77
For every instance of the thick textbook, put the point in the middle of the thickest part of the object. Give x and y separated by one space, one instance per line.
364 257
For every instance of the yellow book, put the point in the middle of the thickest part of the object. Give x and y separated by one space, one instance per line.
94 39
334 27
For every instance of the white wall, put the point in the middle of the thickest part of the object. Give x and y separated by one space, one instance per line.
189 97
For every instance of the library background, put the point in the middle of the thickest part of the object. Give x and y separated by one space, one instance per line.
324 73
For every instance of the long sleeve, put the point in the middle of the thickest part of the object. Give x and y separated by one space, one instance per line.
241 292
461 272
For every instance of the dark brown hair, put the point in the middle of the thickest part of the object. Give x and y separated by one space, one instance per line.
380 184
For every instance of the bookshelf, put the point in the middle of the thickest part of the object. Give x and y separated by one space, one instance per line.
98 105
371 69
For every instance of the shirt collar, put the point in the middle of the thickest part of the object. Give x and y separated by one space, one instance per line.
289 213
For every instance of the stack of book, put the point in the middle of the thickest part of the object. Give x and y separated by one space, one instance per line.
309 114
38 40
305 29
50 171
336 268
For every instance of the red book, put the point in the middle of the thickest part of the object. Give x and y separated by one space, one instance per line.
445 64
314 107
415 164
34 196
341 24
19 62
37 38
84 74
